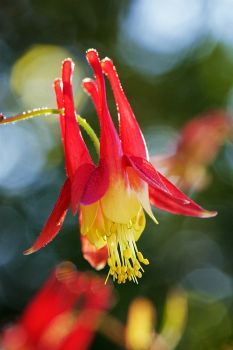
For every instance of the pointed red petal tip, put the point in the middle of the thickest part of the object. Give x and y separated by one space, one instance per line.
55 220
208 214
29 251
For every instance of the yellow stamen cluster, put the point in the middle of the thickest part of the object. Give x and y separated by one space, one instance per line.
124 258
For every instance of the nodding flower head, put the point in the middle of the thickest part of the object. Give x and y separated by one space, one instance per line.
113 196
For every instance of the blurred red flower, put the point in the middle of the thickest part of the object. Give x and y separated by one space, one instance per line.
63 315
196 148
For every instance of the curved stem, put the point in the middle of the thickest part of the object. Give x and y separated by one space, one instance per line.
90 132
48 111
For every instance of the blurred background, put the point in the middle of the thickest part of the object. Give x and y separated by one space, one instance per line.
175 61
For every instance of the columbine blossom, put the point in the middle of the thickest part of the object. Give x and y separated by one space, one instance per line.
63 315
196 148
111 197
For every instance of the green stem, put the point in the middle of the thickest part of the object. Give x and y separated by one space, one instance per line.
29 114
48 111
90 132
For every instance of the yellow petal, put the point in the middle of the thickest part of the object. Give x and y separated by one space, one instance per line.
88 215
120 203
143 197
139 224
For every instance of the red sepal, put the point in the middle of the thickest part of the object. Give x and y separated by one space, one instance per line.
160 200
55 220
97 185
165 195
79 182
89 184
145 170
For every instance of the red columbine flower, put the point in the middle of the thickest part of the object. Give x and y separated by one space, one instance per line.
197 146
63 315
111 197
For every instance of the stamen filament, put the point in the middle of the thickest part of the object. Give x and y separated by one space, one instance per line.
125 260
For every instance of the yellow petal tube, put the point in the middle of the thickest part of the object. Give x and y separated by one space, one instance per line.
118 221
120 203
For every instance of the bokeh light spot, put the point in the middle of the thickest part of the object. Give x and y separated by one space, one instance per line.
33 75
19 165
164 26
